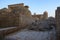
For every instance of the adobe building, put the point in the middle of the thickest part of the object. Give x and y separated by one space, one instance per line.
15 15
19 15
57 16
37 16
40 17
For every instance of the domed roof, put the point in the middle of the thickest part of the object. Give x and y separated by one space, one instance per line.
26 6
45 12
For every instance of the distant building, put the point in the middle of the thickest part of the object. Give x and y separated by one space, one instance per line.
40 17
37 17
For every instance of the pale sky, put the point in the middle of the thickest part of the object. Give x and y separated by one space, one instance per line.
35 6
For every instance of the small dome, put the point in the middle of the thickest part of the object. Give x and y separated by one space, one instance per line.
46 12
26 6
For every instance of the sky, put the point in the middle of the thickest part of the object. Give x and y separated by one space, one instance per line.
35 6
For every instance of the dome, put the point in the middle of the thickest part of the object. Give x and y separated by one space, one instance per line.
45 12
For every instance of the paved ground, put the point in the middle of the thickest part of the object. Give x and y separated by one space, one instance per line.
30 35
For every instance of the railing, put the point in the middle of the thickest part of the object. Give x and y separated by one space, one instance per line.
9 30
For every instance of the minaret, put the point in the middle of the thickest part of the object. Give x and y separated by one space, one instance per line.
57 17
45 15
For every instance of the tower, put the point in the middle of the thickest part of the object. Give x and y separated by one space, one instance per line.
57 17
45 15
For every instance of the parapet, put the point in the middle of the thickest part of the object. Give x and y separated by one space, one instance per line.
14 5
